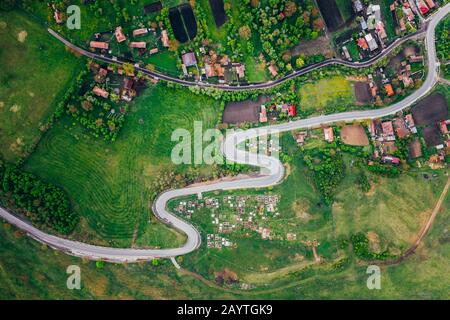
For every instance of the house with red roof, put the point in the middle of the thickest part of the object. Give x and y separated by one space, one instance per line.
119 35
263 114
291 110
140 32
389 89
361 42
99 45
100 92
430 4
444 128
388 130
165 38
329 134
138 45
390 159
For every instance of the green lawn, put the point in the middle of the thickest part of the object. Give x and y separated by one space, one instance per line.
164 61
35 71
325 92
111 184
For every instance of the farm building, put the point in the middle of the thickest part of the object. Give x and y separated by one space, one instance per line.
273 70
189 59
99 45
328 134
100 92
263 114
388 130
291 110
140 32
138 45
119 35
165 38
400 128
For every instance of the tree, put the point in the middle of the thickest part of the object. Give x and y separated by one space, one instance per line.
299 62
173 45
128 68
86 105
287 56
245 32
291 8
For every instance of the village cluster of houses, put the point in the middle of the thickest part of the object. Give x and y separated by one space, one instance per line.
405 14
404 75
425 6
212 66
372 38
135 44
274 111
373 34
384 133
126 92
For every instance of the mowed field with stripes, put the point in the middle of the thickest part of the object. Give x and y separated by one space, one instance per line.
110 184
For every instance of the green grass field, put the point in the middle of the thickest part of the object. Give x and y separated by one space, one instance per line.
110 184
394 209
325 92
29 270
35 71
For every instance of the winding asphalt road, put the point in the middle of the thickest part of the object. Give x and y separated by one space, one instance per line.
253 86
274 172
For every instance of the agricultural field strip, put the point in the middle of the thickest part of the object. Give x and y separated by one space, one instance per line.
230 150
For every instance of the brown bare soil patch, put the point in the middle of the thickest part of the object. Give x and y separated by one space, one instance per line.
354 135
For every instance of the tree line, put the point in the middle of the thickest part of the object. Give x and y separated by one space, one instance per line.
44 204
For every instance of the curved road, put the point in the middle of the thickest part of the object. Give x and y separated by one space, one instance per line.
253 86
229 148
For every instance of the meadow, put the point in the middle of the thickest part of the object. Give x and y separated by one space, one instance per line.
326 92
391 214
111 184
29 270
36 70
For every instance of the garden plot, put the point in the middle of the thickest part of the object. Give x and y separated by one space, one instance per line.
431 109
354 135
243 111
331 14
218 11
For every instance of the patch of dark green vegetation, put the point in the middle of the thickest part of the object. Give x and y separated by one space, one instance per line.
42 203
